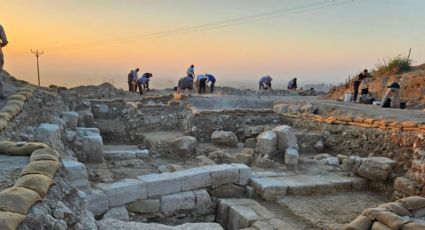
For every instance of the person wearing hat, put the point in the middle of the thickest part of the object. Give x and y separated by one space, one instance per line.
392 96
3 43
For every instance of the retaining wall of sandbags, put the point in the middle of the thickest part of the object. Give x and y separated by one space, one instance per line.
32 185
14 105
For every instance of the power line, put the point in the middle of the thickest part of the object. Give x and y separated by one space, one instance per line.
209 26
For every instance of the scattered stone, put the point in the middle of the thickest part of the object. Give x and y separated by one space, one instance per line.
204 160
145 206
183 145
97 202
173 203
266 143
49 134
71 119
77 174
285 137
281 108
320 146
291 157
245 157
224 138
144 153
250 143
204 205
333 161
376 168
119 213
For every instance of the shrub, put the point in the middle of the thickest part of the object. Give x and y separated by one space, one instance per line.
394 65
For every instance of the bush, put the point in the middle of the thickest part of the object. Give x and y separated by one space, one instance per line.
394 65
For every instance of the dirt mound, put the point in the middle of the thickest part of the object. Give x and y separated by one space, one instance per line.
105 90
412 85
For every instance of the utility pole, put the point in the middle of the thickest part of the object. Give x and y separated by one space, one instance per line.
37 54
408 57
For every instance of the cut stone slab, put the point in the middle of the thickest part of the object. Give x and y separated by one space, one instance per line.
92 144
49 134
97 202
240 217
224 138
269 188
376 168
285 137
119 213
77 174
170 204
194 178
111 224
118 155
145 206
245 173
204 205
124 191
223 174
161 184
266 143
71 119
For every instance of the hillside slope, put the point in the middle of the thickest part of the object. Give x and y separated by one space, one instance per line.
412 85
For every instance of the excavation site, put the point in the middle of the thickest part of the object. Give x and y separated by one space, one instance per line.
97 157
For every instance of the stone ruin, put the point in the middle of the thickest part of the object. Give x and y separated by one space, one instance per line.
217 162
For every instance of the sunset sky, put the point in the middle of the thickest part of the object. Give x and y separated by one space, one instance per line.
93 41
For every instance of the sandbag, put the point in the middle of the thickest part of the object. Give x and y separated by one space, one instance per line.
3 124
6 116
47 151
370 212
16 102
360 223
413 226
358 119
380 226
24 93
47 168
414 202
409 124
11 108
345 118
36 182
10 220
419 213
396 208
20 148
391 220
17 199
368 120
17 97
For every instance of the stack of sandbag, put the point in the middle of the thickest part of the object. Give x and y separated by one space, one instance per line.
14 105
392 216
32 185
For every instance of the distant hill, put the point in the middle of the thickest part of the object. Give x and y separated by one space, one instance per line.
412 84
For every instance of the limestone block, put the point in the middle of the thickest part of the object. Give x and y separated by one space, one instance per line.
97 202
269 188
194 178
250 143
222 216
71 119
49 134
224 138
376 168
245 173
285 137
161 184
173 203
119 154
240 217
223 174
118 213
405 186
204 205
86 119
92 144
142 153
183 145
110 224
291 157
145 206
281 108
266 143
77 174
124 191
85 105
330 161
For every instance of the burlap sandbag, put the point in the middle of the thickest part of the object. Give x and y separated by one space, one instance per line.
391 220
370 212
16 102
413 203
368 120
345 118
3 124
10 220
11 108
24 93
20 148
409 124
36 182
413 226
380 226
18 200
17 97
360 223
6 116
44 155
47 168
418 213
396 208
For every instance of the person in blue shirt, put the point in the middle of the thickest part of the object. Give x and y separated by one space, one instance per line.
143 82
265 83
211 79
202 83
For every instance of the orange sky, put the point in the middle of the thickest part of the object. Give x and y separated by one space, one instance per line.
324 45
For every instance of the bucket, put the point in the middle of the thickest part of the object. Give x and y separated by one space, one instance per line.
347 97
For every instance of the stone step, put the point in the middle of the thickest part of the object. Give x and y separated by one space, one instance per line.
123 152
270 188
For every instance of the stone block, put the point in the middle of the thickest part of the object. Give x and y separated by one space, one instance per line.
124 191
97 202
119 154
170 204
145 206
240 217
204 205
194 178
285 137
144 153
266 143
118 213
77 174
224 138
291 157
93 148
71 119
183 145
223 174
222 216
376 168
269 188
86 119
161 184
245 173
250 143
405 186
49 134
